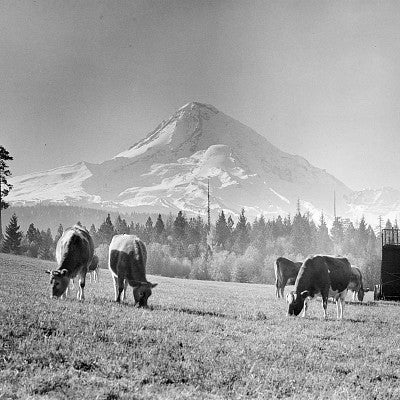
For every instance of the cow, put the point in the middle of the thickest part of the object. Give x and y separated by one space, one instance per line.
127 264
327 276
285 271
356 284
74 252
93 269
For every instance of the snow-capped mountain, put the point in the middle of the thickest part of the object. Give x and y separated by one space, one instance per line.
170 168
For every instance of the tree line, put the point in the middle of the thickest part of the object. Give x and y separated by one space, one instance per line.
229 250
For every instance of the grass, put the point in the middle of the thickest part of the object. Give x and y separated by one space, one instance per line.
200 340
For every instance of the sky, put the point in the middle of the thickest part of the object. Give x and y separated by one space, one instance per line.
85 80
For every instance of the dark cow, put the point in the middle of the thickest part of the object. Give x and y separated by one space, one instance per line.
285 270
93 269
127 264
74 252
324 275
356 284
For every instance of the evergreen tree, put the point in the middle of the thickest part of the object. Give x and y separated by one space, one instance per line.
349 243
93 234
120 226
362 238
13 237
106 231
222 231
241 234
337 233
180 234
59 233
148 231
46 245
324 242
33 241
5 187
159 230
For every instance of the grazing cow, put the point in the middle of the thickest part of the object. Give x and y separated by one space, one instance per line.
74 252
285 271
324 275
127 264
93 269
356 284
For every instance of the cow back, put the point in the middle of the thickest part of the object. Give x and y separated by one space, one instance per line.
128 257
322 273
74 250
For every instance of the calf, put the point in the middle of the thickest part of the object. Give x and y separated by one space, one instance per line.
74 252
356 284
285 270
93 269
324 275
127 264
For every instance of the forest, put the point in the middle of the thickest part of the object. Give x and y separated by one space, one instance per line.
228 250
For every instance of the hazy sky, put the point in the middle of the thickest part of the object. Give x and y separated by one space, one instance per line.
84 80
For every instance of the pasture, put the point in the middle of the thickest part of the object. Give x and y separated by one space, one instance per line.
200 340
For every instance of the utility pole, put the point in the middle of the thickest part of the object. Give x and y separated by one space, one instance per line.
334 205
208 206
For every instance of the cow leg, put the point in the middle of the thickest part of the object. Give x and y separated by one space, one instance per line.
325 306
82 281
119 288
354 296
125 287
305 306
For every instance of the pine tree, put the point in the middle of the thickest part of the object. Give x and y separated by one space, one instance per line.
5 187
59 233
33 240
106 231
159 230
120 226
46 246
221 231
362 238
148 231
241 234
324 242
337 233
13 237
180 234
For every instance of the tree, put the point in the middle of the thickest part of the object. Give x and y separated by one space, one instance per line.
33 241
121 226
159 230
59 233
180 233
242 234
222 231
13 237
324 242
337 233
5 187
46 246
106 231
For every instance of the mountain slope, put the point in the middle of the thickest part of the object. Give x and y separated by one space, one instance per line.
169 170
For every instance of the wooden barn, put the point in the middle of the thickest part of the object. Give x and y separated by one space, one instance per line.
389 287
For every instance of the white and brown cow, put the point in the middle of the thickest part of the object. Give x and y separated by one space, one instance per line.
356 284
326 276
285 270
127 264
93 269
74 253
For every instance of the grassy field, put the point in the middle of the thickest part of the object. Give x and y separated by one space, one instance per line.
200 340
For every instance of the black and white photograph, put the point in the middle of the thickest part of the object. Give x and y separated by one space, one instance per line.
199 199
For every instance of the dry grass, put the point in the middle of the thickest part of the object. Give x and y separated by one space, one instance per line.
202 340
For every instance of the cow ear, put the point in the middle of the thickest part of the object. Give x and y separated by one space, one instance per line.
305 294
63 272
47 271
153 285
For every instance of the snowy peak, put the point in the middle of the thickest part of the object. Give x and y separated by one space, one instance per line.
168 170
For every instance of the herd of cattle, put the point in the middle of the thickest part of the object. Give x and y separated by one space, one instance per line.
327 276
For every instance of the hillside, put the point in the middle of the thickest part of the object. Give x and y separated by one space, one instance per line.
199 340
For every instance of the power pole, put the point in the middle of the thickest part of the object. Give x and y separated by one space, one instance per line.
208 206
334 205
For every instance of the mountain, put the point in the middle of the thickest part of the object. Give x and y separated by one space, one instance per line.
170 168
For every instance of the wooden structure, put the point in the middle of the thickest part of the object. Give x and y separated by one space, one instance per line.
389 287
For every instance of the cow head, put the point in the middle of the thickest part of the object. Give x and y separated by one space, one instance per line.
141 292
296 302
59 281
